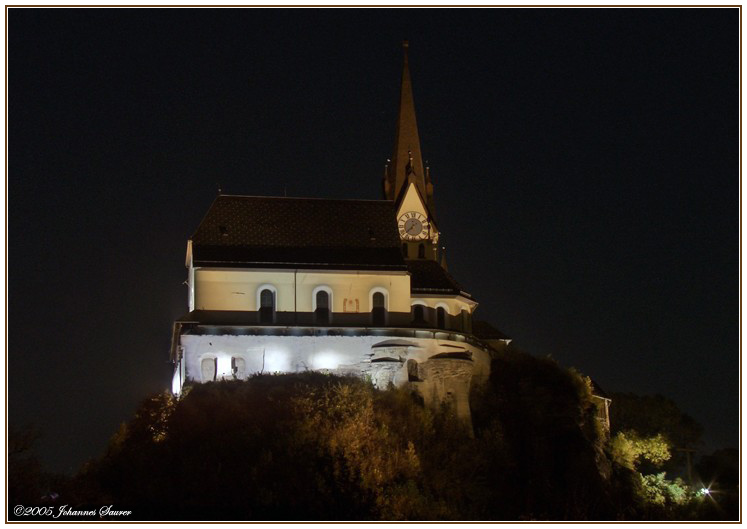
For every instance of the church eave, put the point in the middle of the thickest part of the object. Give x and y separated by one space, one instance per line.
294 265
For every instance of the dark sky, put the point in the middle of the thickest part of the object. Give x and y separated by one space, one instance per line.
585 164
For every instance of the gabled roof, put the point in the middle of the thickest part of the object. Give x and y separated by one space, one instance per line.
401 197
247 231
428 277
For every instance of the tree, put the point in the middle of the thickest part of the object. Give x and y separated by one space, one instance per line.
649 416
628 449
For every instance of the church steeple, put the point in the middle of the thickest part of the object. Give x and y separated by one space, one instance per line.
407 160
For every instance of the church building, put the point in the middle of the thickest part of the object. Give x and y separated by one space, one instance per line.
279 284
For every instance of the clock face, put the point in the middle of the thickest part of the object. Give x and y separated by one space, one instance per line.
413 226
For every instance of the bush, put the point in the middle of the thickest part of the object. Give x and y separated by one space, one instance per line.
319 447
552 462
307 446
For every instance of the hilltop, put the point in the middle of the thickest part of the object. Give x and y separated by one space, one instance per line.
320 447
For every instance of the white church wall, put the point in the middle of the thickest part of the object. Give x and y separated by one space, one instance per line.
440 377
274 354
452 305
351 290
292 354
228 289
191 287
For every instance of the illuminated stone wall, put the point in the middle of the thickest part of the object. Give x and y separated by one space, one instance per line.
440 370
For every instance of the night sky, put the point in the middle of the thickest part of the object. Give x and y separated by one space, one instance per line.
585 164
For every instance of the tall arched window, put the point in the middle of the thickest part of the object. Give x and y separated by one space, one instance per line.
322 307
466 322
266 306
421 251
418 314
378 309
440 317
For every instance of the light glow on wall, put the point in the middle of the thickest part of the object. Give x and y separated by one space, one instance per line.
276 360
326 360
176 385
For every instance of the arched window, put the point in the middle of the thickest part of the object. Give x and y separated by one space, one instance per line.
418 314
378 309
322 307
266 306
209 369
404 249
440 317
238 367
421 251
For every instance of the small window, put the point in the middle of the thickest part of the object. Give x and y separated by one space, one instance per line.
441 318
378 300
238 367
421 251
379 309
322 307
209 369
267 306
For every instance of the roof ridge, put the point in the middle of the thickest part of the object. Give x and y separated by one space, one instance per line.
309 198
204 217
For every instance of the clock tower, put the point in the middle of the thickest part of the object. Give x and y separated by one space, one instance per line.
407 181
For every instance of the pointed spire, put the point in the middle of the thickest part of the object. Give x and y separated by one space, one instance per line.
407 160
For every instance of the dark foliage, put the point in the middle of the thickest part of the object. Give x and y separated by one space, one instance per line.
649 415
552 464
24 470
313 446
721 468
318 447
719 472
28 483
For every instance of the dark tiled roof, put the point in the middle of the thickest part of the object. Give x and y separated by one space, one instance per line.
428 276
287 232
484 330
